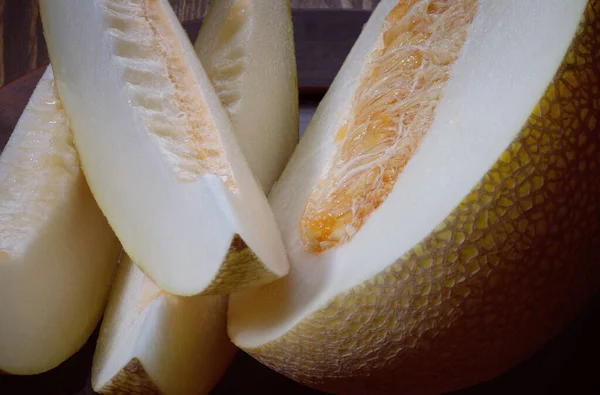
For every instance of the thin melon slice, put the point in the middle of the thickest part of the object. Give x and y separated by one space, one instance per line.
176 345
442 212
57 252
247 49
154 343
158 149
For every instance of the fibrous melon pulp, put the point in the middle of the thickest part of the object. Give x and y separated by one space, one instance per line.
442 211
159 343
158 149
57 252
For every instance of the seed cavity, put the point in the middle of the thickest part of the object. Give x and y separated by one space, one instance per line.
164 90
390 113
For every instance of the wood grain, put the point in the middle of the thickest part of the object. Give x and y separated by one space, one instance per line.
2 2
13 100
22 45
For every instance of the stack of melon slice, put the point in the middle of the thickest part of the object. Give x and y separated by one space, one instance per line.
161 343
441 215
164 343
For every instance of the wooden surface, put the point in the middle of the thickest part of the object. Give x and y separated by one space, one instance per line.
22 46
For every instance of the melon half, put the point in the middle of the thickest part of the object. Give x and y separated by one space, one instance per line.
442 211
57 252
157 148
152 342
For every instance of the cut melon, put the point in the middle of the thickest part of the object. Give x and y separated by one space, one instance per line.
152 342
158 149
247 49
57 251
442 212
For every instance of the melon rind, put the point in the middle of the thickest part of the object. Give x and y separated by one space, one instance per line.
497 278
132 379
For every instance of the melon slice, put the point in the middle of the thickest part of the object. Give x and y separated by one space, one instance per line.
442 212
57 251
158 149
176 345
154 343
247 49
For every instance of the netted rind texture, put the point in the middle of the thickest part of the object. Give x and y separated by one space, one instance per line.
501 275
131 380
241 269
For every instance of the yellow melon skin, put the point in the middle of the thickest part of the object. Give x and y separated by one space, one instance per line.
500 276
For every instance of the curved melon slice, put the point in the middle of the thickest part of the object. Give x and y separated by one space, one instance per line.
247 49
154 343
158 149
57 252
139 315
441 214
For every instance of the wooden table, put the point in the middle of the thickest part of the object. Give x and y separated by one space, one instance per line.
22 46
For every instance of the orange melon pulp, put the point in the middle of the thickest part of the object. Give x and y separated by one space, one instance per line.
390 114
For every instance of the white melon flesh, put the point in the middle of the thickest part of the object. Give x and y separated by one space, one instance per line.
154 343
57 251
247 49
484 241
177 345
158 149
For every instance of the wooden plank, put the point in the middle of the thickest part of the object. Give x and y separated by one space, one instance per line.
336 4
13 100
20 38
323 39
2 2
187 10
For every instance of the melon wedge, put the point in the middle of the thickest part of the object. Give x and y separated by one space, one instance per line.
158 149
158 343
441 213
154 343
247 49
57 252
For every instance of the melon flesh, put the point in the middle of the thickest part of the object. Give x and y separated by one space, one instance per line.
158 149
57 251
247 49
437 236
158 343
176 345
